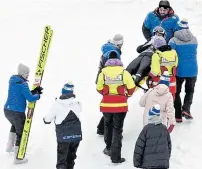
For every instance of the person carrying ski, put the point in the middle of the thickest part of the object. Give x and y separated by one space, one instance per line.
164 59
153 146
116 85
65 112
115 44
162 16
15 106
186 46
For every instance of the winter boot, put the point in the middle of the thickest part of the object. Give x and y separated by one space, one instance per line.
106 152
119 161
178 120
11 142
187 115
16 161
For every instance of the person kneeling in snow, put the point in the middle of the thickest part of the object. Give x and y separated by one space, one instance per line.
153 146
65 111
160 94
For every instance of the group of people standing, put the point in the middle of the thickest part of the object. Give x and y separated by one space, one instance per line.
165 61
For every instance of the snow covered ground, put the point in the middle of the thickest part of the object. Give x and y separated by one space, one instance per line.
80 28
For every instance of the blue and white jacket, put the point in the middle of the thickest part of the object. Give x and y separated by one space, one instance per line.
18 93
185 45
65 111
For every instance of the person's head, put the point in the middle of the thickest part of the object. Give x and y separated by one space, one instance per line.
23 71
118 40
183 24
113 55
165 79
158 41
154 114
159 31
68 88
164 8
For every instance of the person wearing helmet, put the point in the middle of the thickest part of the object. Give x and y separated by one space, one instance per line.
163 16
163 59
158 31
139 68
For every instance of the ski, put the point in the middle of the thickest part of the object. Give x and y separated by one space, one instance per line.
37 82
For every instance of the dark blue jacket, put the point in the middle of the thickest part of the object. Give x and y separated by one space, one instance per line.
185 45
153 147
18 93
169 23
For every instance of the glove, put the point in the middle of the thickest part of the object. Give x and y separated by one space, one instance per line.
37 90
170 129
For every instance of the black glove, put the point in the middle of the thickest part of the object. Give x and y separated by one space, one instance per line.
37 90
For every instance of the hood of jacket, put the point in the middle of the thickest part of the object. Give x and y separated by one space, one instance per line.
67 100
161 89
184 35
113 71
16 79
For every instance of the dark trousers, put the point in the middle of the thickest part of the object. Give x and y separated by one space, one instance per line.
113 123
100 126
189 92
17 121
66 154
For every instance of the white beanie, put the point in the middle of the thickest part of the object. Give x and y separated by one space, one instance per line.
118 39
23 70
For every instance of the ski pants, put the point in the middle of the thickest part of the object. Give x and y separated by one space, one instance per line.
100 126
113 123
17 120
189 92
66 154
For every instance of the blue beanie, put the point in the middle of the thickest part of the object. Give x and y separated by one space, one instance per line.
155 110
68 88
183 24
165 79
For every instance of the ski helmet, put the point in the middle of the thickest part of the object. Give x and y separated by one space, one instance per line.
159 30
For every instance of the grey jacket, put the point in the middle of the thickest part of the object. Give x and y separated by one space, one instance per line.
153 147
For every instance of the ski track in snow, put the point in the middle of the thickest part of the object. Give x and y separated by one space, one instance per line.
80 28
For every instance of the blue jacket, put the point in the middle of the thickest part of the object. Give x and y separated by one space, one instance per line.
185 45
18 93
169 23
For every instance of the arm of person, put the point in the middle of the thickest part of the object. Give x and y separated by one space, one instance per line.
143 99
172 43
155 66
128 81
139 149
170 110
28 95
100 83
146 28
51 115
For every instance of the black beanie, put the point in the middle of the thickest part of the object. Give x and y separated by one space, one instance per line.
164 3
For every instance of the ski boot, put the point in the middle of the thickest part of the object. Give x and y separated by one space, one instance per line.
11 142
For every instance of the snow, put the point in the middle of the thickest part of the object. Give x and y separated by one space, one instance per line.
80 28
